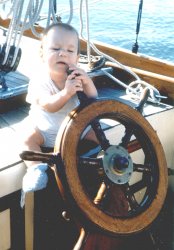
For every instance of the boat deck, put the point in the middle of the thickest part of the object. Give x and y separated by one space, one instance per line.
12 167
9 125
16 84
13 108
17 108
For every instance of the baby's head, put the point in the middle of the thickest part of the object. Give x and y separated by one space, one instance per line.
61 26
60 46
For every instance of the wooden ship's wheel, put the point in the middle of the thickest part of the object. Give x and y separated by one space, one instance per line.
115 186
119 185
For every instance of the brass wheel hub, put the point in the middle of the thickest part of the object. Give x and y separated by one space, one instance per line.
118 165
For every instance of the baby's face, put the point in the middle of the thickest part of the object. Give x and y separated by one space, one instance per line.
60 50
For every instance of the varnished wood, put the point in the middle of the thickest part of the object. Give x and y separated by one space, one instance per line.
124 56
68 147
29 221
163 83
138 61
5 23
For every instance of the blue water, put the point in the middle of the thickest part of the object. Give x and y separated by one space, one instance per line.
114 22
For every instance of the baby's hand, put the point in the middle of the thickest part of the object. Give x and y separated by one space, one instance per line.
72 85
83 81
79 74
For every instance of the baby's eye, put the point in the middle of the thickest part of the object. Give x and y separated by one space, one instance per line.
70 51
56 49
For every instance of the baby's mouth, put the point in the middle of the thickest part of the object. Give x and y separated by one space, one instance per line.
63 63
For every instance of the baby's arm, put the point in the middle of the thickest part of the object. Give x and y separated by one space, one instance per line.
54 102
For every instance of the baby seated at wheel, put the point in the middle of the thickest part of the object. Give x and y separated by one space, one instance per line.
52 95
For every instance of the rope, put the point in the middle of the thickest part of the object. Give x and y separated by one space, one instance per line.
32 15
17 27
135 88
87 28
5 14
12 31
90 44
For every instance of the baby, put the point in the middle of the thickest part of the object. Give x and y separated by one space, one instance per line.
53 94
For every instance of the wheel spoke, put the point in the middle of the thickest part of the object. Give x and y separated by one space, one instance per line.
100 194
137 186
127 136
91 173
104 142
142 168
133 146
131 198
91 162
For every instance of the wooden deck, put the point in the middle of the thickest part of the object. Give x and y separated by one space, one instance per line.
9 125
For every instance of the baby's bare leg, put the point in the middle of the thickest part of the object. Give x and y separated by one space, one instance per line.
35 177
32 141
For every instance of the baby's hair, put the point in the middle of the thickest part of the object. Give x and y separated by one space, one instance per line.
64 26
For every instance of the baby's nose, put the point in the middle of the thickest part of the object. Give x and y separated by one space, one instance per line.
62 52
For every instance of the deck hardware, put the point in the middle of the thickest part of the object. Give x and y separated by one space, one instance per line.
135 88
117 165
65 216
3 85
8 65
143 100
135 46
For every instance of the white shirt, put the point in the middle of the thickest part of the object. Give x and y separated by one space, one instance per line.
47 122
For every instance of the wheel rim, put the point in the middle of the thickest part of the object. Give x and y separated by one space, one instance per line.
115 169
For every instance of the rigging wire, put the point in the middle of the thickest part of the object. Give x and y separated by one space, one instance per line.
55 6
140 9
89 43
